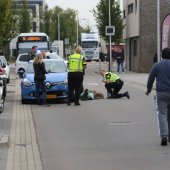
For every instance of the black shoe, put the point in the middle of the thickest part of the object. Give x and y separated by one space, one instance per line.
109 97
164 141
127 95
68 103
77 104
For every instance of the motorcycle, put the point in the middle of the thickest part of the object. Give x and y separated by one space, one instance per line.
2 93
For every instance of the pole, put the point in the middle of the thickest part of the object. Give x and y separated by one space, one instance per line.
77 29
158 30
110 61
59 26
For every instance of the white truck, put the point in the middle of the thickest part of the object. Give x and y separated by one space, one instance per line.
57 46
91 46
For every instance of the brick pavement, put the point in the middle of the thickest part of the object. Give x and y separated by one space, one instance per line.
23 152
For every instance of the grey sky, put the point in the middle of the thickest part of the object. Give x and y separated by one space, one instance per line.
83 7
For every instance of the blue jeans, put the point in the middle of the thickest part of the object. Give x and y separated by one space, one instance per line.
40 91
120 64
162 101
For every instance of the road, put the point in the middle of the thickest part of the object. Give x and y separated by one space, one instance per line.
104 134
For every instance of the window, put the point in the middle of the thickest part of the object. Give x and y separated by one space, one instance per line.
135 48
34 26
124 14
130 8
24 58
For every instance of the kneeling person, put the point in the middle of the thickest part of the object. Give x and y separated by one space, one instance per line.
113 84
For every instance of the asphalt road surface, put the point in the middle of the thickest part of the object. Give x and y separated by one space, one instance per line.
104 134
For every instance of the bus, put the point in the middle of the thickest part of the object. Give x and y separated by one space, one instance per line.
25 41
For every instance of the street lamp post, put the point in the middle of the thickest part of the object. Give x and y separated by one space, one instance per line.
158 30
110 61
77 29
77 43
59 25
61 12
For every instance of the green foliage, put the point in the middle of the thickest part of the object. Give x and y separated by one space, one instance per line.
101 15
24 18
68 24
6 22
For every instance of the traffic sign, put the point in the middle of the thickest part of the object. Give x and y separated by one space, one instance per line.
110 30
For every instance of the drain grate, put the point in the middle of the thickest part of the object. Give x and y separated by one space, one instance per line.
120 123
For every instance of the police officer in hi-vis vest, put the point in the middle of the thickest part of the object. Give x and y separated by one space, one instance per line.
76 66
113 84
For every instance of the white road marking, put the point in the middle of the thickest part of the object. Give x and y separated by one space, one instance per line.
93 84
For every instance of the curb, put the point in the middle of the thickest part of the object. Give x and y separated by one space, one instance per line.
4 140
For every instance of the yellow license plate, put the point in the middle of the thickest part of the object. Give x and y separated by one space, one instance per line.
51 96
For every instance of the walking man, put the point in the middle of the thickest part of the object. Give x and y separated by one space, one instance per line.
161 72
76 66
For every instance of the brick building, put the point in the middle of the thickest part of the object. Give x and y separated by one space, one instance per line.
36 7
140 32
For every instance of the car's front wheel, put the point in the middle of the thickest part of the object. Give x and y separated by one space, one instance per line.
24 101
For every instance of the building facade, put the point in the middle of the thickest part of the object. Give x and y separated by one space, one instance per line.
140 32
35 7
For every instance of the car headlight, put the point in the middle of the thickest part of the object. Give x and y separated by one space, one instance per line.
26 82
65 81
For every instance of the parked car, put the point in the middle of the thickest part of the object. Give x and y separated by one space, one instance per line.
56 81
21 64
6 66
23 59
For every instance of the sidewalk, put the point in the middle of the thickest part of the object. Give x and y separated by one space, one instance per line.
23 151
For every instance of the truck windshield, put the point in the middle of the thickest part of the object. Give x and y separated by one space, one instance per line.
89 44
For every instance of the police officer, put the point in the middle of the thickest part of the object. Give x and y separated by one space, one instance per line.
76 66
113 84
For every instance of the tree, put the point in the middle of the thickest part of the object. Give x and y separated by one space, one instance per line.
7 25
24 18
47 20
68 24
101 15
6 22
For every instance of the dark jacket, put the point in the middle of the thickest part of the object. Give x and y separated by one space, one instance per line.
120 57
31 56
39 71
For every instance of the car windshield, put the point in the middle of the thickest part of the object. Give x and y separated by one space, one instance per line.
53 56
89 44
51 66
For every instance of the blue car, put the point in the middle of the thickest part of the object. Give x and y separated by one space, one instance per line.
56 81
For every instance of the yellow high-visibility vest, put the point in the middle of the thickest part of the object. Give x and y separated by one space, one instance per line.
76 62
111 76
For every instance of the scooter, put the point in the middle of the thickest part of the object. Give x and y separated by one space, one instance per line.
2 93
